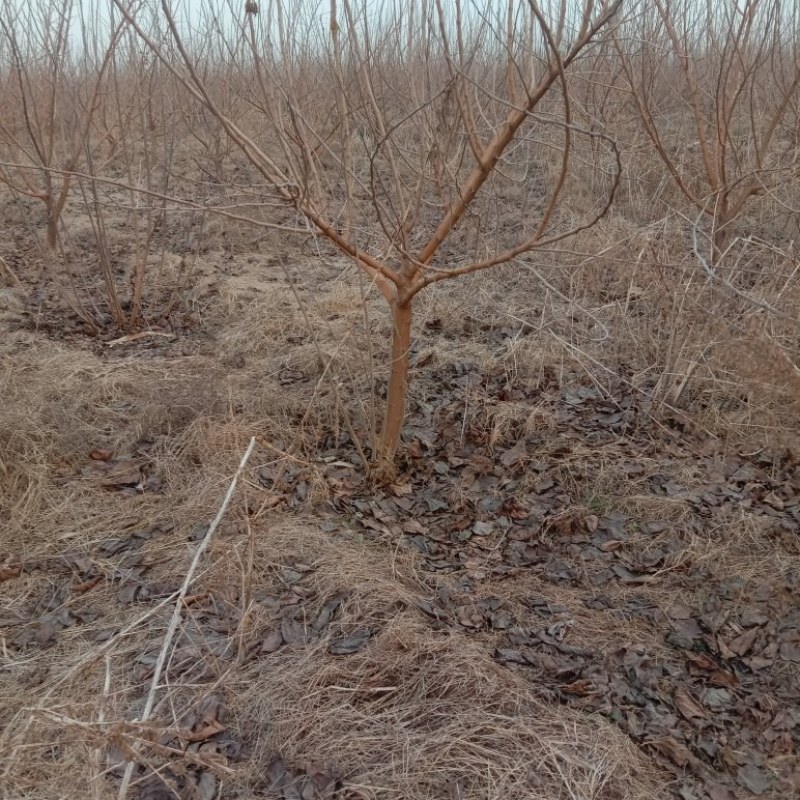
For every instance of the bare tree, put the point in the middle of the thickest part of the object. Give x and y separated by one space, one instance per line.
717 89
50 92
443 145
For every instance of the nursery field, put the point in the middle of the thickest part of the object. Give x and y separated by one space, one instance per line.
266 533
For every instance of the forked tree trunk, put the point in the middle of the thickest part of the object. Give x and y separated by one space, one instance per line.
389 438
296 183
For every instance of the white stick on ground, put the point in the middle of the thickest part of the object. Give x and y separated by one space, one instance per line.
176 616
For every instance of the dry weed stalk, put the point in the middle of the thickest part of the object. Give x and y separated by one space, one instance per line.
177 614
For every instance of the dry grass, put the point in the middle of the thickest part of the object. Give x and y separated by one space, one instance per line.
61 403
412 714
288 342
419 711
415 712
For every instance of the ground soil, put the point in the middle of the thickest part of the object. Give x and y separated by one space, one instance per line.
566 591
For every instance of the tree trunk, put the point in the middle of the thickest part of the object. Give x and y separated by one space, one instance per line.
720 239
723 217
52 227
389 438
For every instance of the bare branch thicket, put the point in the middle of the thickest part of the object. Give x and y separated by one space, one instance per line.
218 62
442 145
50 94
716 87
143 148
143 156
91 121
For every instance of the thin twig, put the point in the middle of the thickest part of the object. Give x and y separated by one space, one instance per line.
101 718
176 616
6 269
135 337
715 277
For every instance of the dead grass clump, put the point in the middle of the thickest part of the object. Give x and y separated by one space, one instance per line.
415 715
745 545
753 395
509 421
303 355
268 315
65 399
655 507
533 360
416 712
59 404
258 315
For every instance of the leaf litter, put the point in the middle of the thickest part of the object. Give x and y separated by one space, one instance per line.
600 606
702 696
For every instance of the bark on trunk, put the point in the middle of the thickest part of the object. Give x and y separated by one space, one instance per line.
386 446
720 239
52 228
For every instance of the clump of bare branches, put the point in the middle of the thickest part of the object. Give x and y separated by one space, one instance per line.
444 146
716 90
50 92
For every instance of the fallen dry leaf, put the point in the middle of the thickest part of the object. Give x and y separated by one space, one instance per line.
700 662
206 732
742 644
324 782
295 632
717 791
156 791
723 678
85 586
125 472
753 778
671 748
101 454
206 786
689 708
581 687
345 645
280 779
46 633
10 568
514 454
631 578
273 642
327 612
790 651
